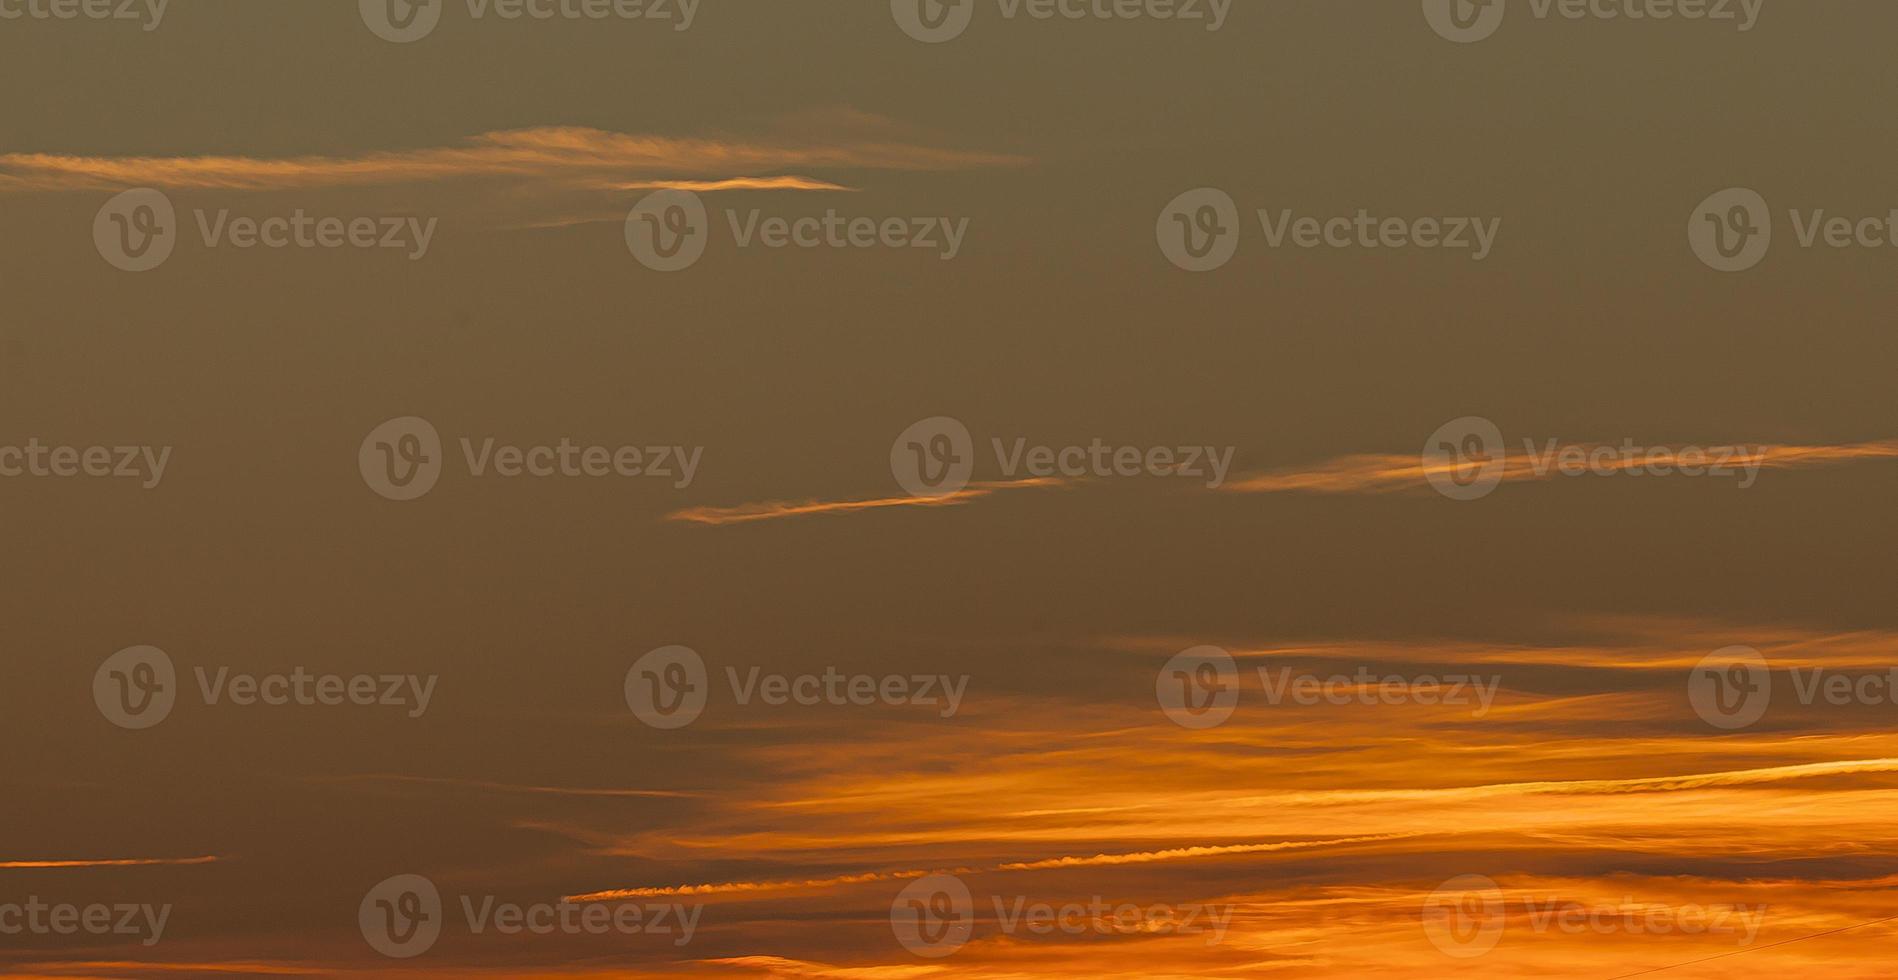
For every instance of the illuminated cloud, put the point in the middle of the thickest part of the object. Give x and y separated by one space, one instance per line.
1393 473
575 157
107 863
775 510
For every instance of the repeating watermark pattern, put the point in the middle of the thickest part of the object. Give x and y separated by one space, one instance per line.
936 458
137 231
148 14
1732 230
668 231
40 460
1733 687
934 917
405 21
118 922
668 688
1465 916
1200 231
1465 459
937 21
137 688
1199 688
403 917
1469 21
402 459
1364 688
1469 915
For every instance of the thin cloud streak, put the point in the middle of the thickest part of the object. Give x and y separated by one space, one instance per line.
1138 857
108 863
778 509
576 156
1374 473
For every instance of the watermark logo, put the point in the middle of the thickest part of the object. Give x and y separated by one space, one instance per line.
1468 21
936 21
1464 918
42 460
401 21
401 459
1198 688
933 458
148 13
136 687
1199 230
36 917
406 21
136 230
936 458
1465 458
1467 917
934 916
1731 688
404 916
1464 21
1732 230
401 918
668 687
668 229
933 21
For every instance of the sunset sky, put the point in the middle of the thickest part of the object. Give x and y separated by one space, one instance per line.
1570 812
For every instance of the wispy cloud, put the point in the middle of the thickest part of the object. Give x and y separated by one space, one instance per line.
107 863
837 881
1372 473
573 156
779 509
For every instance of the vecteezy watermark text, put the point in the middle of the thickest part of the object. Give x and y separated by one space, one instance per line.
934 916
668 688
138 687
402 459
403 917
936 21
1732 230
1200 231
149 13
1465 459
1199 688
936 457
1469 21
668 230
403 21
35 917
38 460
137 231
1467 917
1733 687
